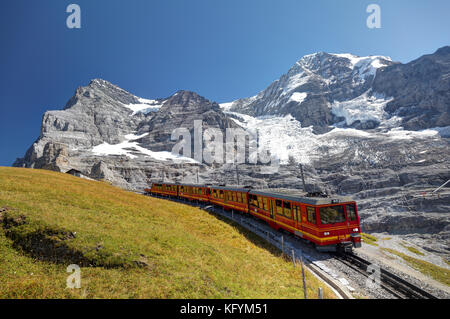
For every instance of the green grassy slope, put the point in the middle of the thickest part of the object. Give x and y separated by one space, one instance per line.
128 245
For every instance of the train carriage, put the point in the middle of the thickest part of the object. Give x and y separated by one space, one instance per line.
194 192
328 223
230 197
165 189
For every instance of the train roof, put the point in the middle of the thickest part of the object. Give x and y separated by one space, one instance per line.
164 183
306 200
194 185
230 188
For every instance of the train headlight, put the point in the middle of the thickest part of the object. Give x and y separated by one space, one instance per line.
355 229
326 233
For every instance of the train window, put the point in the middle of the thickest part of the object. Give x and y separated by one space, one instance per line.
279 205
221 194
266 203
239 197
244 198
332 214
351 212
252 199
260 202
287 209
234 196
311 214
296 211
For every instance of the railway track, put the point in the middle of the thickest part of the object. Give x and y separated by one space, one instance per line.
390 282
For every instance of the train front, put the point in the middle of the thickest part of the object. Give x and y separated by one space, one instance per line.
340 226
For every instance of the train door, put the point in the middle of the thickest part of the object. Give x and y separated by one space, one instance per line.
302 216
272 208
296 216
352 218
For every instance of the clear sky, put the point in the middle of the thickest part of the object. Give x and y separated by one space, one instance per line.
221 49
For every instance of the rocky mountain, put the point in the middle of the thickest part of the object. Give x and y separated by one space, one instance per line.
344 90
420 90
362 126
107 133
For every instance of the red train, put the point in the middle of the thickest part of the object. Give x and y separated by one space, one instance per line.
330 223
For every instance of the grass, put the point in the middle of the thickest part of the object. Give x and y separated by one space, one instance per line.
128 245
413 249
438 273
369 239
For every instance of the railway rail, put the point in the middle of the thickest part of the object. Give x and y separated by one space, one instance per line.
390 282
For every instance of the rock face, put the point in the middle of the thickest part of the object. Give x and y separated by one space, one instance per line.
356 124
180 111
312 85
421 89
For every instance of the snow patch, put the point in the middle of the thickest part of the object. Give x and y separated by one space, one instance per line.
146 106
284 137
226 106
443 131
364 108
365 66
399 133
130 148
298 97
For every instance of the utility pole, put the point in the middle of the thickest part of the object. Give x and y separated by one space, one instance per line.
237 174
303 177
197 174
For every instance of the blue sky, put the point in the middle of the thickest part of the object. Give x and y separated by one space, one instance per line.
222 49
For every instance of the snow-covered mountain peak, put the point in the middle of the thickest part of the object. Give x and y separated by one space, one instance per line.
310 87
320 62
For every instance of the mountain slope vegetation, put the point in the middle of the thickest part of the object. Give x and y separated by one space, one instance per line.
128 245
